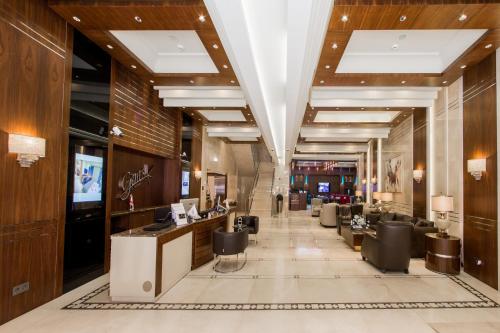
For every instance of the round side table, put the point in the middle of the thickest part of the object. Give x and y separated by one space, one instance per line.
443 253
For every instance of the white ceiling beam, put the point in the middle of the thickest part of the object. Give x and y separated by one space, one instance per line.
332 148
179 96
346 132
327 157
240 132
196 103
307 23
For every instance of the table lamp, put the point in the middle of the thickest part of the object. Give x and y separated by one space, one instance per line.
442 204
386 198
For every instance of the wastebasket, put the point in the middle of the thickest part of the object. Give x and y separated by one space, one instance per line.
279 201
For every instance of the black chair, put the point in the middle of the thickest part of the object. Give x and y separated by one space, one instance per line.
250 222
229 243
390 248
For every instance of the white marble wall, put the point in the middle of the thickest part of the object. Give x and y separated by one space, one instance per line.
400 142
448 151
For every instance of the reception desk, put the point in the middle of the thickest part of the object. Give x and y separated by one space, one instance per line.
146 264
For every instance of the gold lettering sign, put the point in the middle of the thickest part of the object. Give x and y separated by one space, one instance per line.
131 180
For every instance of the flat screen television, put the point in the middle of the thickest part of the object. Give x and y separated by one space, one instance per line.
185 183
87 183
323 187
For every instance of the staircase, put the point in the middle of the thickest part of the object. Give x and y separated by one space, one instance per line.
261 203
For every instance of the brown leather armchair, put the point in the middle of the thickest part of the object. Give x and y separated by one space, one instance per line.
250 222
229 243
390 248
344 217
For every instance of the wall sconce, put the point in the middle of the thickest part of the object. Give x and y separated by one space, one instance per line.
198 174
417 175
476 167
28 148
363 181
374 180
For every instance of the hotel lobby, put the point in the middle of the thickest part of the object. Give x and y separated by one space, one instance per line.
249 165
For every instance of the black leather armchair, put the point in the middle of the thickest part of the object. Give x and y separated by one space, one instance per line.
250 222
229 243
390 248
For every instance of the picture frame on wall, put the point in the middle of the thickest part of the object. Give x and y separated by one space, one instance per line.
394 174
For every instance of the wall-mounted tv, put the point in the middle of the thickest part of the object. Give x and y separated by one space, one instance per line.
87 178
185 183
323 187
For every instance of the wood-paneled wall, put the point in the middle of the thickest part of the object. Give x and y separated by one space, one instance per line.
196 155
480 196
35 62
420 163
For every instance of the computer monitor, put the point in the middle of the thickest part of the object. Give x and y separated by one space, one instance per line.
190 202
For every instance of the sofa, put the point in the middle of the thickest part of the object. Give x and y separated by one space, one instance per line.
420 227
328 215
390 248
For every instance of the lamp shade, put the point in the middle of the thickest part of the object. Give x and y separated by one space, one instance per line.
376 195
359 193
477 165
386 196
442 203
29 145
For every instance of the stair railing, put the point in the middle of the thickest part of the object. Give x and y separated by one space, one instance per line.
252 192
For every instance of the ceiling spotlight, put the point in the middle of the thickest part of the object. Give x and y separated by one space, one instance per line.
334 46
413 108
321 82
76 18
403 82
224 66
232 81
201 18
488 46
191 81
463 66
138 19
180 47
152 81
462 17
362 82
395 46
344 18
445 82
336 108
133 66
362 108
387 108
402 18
327 66
109 46
215 46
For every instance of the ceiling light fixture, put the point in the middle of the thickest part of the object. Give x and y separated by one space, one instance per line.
362 82
180 47
462 17
152 81
488 46
201 18
215 46
133 66
344 18
395 46
334 46
76 18
403 82
224 66
402 18
387 108
413 108
445 82
362 108
232 81
463 66
327 66
321 82
138 19
109 46
191 81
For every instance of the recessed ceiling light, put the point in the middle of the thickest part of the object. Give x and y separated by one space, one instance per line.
395 46
402 18
152 81
336 108
215 46
463 66
327 66
462 17
180 47
488 46
387 108
362 108
321 82
225 66
138 19
76 18
232 81
183 107
413 108
344 18
403 82
445 82
133 66
109 46
201 18
362 82
192 113
334 46
191 81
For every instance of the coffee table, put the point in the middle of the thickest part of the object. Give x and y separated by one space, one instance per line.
354 237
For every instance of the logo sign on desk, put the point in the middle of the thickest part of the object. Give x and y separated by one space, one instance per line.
131 180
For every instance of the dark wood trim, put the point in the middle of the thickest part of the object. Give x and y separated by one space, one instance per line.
420 163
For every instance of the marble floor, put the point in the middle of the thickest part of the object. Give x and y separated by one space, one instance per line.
299 277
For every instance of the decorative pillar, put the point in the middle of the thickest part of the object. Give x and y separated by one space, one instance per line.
380 184
369 173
